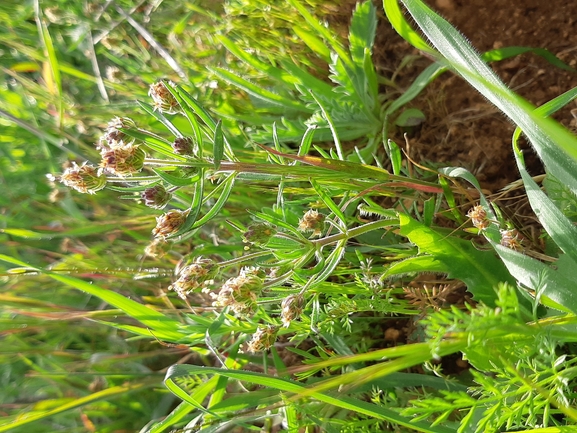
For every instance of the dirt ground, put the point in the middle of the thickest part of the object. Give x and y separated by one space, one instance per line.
461 127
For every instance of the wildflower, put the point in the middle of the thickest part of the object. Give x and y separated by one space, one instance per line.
511 239
478 217
258 234
85 178
114 136
313 221
123 160
240 293
262 339
163 99
194 276
169 223
114 74
156 196
292 308
184 146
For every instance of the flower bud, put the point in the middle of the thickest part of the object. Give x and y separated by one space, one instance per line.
511 239
156 196
84 178
123 160
184 146
169 223
312 221
163 99
292 308
262 339
258 234
478 217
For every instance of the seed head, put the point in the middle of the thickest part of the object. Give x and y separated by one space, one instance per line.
194 276
169 223
262 339
511 239
156 196
258 234
163 99
241 293
313 221
85 178
123 160
478 217
184 146
292 308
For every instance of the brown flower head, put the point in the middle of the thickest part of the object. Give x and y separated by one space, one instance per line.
511 239
292 308
157 248
313 221
241 293
169 223
163 99
262 339
156 196
478 217
123 160
85 178
194 276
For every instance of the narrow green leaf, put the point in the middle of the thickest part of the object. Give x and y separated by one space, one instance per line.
362 31
161 118
218 149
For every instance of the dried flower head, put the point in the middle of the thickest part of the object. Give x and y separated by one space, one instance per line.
511 238
478 217
157 248
156 196
163 99
123 160
184 146
313 221
292 308
258 234
169 223
262 339
114 74
114 136
194 276
84 178
241 293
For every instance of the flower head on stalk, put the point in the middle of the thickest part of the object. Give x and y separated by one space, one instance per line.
156 196
194 276
241 293
83 178
169 223
262 339
163 99
114 136
313 221
292 308
123 159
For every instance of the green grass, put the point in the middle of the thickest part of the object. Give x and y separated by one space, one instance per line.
253 291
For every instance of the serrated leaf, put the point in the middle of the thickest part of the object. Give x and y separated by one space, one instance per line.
362 31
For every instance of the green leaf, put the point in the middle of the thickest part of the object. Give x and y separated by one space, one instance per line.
218 149
362 31
481 271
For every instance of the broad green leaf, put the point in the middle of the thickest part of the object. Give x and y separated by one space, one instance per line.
481 271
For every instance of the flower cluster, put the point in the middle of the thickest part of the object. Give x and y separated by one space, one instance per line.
511 238
241 293
164 101
258 234
194 276
122 159
262 339
184 146
292 307
156 196
478 217
312 221
169 223
83 178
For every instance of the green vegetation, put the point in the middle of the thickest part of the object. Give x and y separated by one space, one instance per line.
227 254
